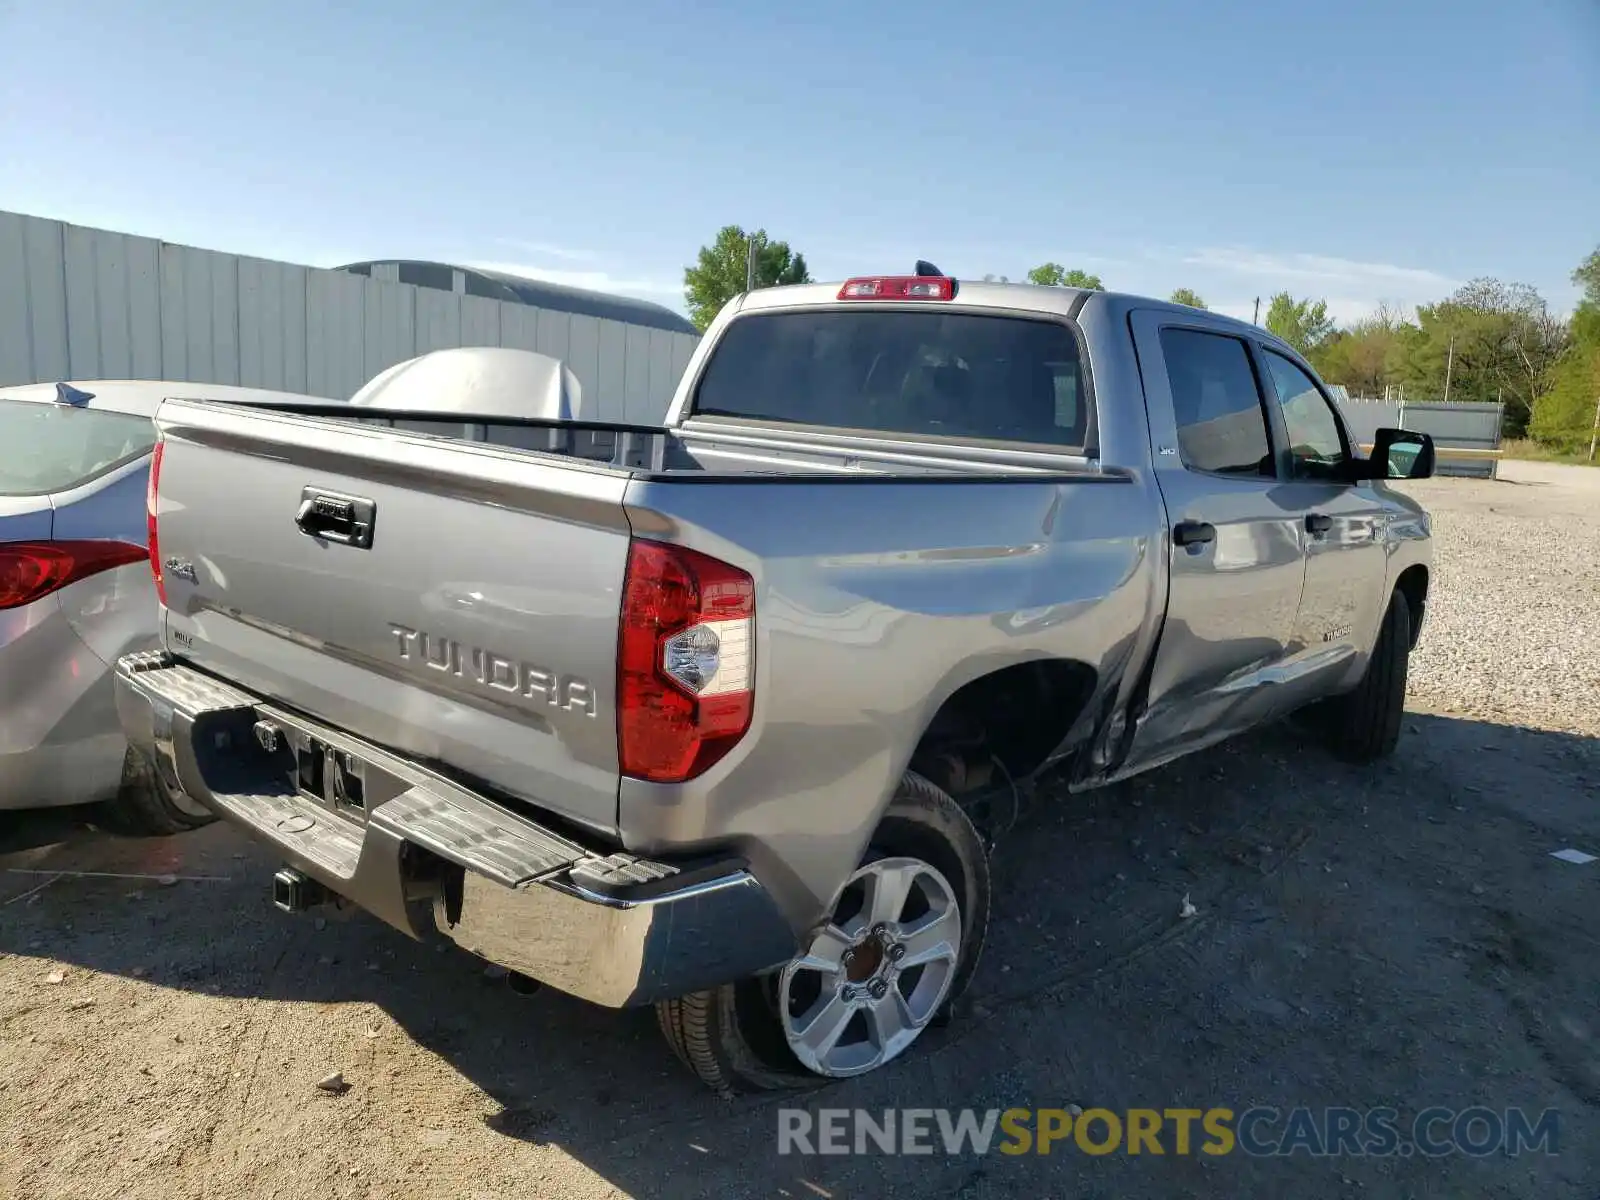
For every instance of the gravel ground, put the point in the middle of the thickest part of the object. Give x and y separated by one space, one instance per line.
1513 632
1397 935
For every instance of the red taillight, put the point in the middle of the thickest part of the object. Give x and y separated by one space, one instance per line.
685 662
899 287
150 521
30 571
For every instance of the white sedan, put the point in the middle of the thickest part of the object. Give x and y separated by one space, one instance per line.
76 593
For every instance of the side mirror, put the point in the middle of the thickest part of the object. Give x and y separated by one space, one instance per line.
1400 454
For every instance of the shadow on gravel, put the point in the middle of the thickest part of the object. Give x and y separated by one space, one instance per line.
51 827
1389 935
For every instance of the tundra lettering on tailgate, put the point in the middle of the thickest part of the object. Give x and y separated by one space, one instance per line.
492 670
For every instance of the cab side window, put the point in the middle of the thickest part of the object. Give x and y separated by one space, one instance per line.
1316 446
1222 426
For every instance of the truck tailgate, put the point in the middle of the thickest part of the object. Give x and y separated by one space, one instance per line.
454 602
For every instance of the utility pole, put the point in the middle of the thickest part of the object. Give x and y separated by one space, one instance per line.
1256 320
750 265
1449 364
1594 434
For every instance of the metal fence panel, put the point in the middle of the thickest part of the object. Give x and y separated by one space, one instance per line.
613 378
1453 426
272 325
519 327
16 342
81 303
1458 427
83 325
46 275
480 321
636 368
553 329
438 320
1366 417
583 356
660 381
335 334
199 316
1469 425
175 327
109 264
144 306
222 272
389 325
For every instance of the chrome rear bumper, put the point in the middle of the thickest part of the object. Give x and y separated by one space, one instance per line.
612 929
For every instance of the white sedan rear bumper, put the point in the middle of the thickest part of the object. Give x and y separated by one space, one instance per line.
60 740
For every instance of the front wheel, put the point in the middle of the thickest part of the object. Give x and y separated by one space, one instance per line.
1364 725
899 947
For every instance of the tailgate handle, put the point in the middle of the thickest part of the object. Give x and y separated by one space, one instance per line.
334 517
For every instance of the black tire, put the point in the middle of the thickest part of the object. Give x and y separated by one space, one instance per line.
1364 725
732 1036
145 807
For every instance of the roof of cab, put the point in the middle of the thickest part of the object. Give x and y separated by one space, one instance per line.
1028 297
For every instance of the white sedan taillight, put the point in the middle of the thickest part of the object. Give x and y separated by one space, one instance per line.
31 571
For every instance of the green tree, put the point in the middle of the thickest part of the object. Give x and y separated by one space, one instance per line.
1587 276
1188 296
1491 341
1564 415
719 274
1563 418
1052 274
1360 356
1304 324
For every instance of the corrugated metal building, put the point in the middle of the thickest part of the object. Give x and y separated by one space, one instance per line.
80 303
517 289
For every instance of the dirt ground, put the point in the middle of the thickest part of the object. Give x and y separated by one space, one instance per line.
1397 935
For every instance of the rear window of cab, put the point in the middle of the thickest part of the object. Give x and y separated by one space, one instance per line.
922 372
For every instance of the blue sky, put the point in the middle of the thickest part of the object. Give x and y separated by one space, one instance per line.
1356 151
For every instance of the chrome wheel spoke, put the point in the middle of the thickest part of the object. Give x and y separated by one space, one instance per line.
888 889
932 938
821 1028
892 1022
827 951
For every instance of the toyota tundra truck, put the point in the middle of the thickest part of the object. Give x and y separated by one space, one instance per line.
692 715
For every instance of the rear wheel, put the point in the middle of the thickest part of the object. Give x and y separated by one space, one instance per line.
1364 725
144 805
899 947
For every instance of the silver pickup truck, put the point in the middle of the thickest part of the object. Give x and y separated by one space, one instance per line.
690 716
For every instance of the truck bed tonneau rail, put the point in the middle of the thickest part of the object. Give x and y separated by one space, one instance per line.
716 450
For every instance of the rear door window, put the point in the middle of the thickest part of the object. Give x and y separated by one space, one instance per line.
1222 426
51 448
920 372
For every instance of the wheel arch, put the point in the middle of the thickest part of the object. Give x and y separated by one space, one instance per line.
1412 584
1020 715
